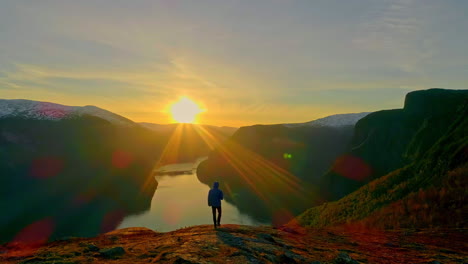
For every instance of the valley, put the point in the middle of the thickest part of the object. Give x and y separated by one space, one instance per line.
392 182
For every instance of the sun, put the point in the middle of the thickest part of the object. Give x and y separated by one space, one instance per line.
185 110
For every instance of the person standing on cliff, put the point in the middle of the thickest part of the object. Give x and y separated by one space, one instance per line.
215 195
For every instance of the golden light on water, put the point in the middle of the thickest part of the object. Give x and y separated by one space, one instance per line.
275 186
185 110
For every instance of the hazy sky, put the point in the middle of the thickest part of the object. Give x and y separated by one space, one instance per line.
246 62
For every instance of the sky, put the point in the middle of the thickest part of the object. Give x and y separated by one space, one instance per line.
245 62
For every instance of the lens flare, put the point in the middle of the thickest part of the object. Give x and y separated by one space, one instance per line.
121 159
352 167
111 220
45 167
37 232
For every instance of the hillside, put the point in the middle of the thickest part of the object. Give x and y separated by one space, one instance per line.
83 169
280 170
270 171
78 176
429 192
51 111
188 141
388 140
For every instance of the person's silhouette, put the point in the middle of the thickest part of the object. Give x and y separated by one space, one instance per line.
215 195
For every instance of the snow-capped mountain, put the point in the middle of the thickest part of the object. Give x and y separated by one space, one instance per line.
333 120
51 111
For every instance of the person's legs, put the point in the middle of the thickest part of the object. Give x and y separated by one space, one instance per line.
219 215
213 211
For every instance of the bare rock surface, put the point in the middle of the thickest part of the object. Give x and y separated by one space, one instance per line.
247 244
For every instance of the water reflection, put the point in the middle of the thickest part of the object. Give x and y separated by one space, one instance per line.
181 200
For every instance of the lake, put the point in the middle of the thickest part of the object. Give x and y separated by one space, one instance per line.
180 201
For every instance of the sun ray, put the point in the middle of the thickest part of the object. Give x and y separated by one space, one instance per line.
168 154
171 150
262 176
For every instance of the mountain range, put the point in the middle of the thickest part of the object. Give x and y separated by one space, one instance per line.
386 154
258 161
391 139
428 188
83 168
339 120
50 111
83 174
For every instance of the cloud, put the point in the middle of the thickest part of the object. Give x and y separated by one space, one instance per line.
275 61
38 75
400 29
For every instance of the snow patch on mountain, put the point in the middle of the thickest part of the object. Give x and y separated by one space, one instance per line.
333 120
51 111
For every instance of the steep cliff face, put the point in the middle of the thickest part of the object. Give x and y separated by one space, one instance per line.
434 101
74 176
431 191
387 140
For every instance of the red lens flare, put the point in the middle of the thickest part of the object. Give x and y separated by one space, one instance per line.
352 168
37 232
121 159
46 167
84 198
172 214
281 217
111 220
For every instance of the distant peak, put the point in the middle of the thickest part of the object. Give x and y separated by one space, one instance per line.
338 120
52 111
92 106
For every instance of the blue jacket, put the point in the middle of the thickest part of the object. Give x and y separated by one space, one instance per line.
215 195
